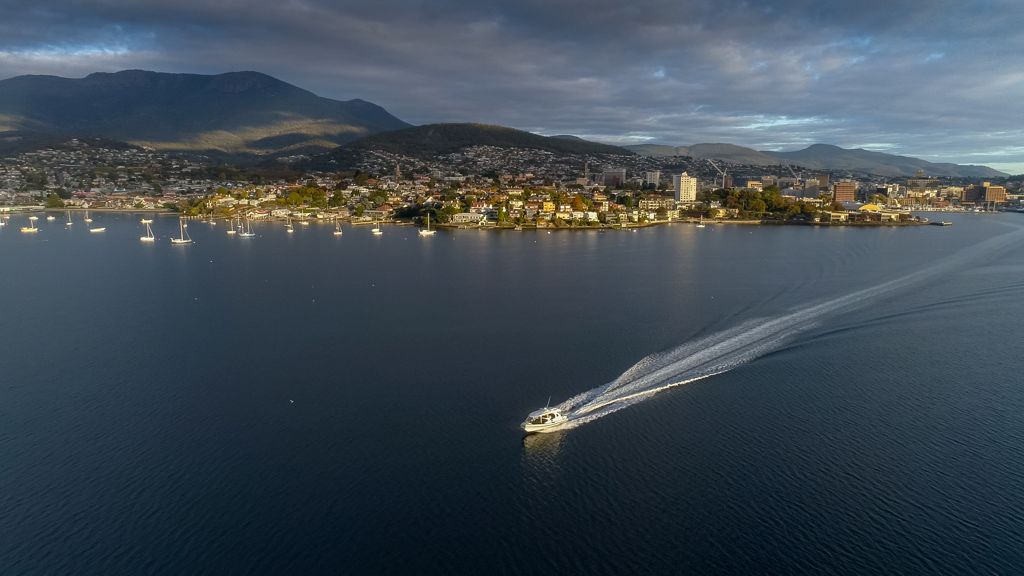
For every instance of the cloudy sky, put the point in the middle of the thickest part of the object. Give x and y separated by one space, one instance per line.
942 80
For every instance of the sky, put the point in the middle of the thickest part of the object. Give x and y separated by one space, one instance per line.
940 80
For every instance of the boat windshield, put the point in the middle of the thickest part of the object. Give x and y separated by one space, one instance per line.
544 418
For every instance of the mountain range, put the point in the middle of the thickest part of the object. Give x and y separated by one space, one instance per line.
233 113
822 157
246 115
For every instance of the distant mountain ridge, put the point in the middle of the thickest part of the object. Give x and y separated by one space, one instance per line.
823 157
233 113
433 139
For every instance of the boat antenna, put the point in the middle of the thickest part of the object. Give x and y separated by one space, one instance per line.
548 405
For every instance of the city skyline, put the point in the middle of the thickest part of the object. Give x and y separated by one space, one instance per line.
925 79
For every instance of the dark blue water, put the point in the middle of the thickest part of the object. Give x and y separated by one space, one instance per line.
312 404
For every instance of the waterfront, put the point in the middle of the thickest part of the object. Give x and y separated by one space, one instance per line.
305 403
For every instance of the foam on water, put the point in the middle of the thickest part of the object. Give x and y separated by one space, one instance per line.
725 350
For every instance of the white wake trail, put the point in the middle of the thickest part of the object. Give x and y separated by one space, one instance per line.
723 351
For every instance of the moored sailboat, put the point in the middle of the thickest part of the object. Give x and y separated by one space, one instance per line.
31 228
427 231
247 233
149 232
184 239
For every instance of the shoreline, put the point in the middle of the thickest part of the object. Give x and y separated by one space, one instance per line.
9 210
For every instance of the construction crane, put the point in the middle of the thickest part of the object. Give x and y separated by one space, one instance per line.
720 171
791 171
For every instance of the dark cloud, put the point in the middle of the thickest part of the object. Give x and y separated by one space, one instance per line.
937 79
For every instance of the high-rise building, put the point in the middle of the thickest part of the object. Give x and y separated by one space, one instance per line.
652 179
685 187
614 177
845 191
994 193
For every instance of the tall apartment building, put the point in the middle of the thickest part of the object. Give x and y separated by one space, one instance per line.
652 178
685 187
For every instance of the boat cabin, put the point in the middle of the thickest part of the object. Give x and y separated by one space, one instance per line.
544 416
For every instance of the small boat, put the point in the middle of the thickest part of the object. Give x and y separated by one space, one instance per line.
337 228
247 233
149 232
427 231
376 229
304 222
701 223
184 239
87 219
290 228
51 218
231 227
68 223
941 223
544 420
100 229
31 228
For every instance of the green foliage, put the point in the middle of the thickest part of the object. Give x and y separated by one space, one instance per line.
752 203
446 213
54 201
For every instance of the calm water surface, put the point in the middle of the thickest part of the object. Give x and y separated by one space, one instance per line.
312 404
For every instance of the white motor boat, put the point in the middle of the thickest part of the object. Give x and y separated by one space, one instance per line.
544 420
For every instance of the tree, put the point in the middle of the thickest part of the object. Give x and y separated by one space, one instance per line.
54 201
758 206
